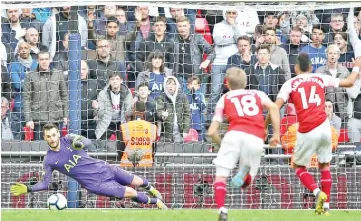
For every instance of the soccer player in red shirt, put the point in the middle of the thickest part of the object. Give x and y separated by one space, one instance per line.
244 139
307 92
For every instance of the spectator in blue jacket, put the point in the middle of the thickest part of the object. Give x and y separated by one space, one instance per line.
197 105
18 70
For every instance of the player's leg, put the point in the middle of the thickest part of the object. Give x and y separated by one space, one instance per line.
225 161
326 185
324 157
306 146
125 178
250 158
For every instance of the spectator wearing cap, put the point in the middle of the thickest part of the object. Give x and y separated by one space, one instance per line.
315 50
337 96
225 35
117 42
270 20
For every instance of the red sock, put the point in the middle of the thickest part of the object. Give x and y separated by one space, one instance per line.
220 191
306 178
247 181
326 183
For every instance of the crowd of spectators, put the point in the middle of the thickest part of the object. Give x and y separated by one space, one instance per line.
161 57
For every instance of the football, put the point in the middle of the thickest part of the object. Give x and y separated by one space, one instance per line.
57 202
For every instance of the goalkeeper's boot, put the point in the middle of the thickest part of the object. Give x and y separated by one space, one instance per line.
321 198
239 179
326 211
161 205
223 215
154 192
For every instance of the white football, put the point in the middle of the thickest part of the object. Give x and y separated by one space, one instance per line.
57 202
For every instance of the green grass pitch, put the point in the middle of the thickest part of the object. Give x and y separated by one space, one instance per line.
173 215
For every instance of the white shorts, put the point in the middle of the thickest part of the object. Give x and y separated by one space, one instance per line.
318 140
241 147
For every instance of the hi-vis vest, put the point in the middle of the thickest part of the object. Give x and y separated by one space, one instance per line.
138 135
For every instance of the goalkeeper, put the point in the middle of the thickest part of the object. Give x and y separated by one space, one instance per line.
67 155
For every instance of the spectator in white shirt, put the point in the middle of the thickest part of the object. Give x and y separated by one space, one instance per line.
225 35
353 36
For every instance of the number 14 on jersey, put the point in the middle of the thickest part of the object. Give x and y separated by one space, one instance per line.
312 99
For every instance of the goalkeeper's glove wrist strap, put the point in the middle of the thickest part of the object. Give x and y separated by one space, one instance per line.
29 189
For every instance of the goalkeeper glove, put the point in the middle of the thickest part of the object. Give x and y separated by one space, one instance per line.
77 143
19 189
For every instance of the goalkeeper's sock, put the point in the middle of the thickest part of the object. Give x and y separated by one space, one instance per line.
143 198
307 180
326 183
146 185
220 191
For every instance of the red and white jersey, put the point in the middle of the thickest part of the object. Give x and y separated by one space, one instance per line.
243 110
307 92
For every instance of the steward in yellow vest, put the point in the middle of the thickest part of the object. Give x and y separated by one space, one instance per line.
138 137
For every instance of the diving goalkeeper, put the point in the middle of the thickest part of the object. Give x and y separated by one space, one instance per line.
67 155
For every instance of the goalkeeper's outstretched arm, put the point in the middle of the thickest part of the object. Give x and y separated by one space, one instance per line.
78 142
20 188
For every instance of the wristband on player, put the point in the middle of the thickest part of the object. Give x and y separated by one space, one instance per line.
29 189
356 69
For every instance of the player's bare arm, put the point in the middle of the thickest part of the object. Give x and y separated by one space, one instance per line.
214 133
274 116
351 79
279 104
